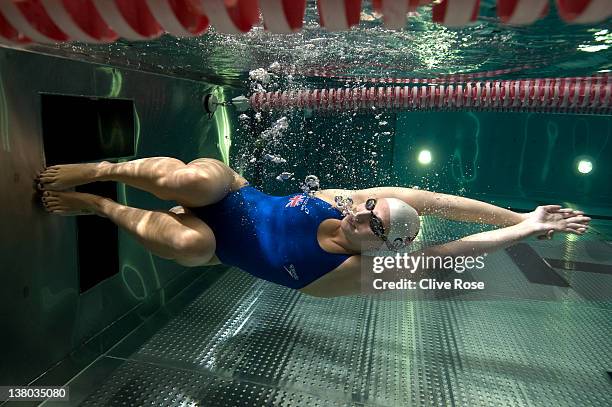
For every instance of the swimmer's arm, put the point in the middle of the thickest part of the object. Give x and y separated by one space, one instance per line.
332 193
473 245
446 206
485 242
356 275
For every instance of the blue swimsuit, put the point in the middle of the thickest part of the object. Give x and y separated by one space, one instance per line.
272 237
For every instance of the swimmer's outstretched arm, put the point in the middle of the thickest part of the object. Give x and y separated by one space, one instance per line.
450 206
543 219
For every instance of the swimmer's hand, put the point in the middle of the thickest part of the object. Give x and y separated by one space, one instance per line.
548 219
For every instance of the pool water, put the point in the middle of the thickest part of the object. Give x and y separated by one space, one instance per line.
541 337
547 48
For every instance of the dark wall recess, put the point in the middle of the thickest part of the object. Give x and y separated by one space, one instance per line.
80 129
83 128
98 240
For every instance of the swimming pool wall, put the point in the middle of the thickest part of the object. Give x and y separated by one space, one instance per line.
50 330
518 160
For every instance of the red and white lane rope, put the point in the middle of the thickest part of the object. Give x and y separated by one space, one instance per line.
521 12
283 16
592 95
456 13
131 19
181 18
231 16
337 15
9 35
394 11
80 20
31 20
49 21
584 11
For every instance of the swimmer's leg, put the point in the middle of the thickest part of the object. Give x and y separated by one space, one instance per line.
181 237
201 182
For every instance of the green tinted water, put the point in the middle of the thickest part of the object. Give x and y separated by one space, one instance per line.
503 157
513 155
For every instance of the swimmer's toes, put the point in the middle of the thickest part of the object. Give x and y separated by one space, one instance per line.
54 195
68 203
47 173
49 199
52 185
49 180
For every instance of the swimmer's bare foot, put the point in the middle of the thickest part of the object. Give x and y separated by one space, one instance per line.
60 177
70 203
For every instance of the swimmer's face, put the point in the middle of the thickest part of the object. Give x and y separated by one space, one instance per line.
357 228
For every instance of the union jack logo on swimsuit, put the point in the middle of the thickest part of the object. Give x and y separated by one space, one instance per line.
294 201
291 271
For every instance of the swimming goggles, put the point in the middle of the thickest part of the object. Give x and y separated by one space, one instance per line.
376 224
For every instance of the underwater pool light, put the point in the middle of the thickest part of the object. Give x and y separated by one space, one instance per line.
424 157
585 166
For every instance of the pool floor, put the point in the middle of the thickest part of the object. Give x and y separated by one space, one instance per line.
245 342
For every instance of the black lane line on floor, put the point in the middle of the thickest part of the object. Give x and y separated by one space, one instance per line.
533 267
580 266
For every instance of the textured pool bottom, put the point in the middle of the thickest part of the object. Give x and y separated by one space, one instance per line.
248 342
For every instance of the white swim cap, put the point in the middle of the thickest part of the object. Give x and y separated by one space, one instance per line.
404 225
